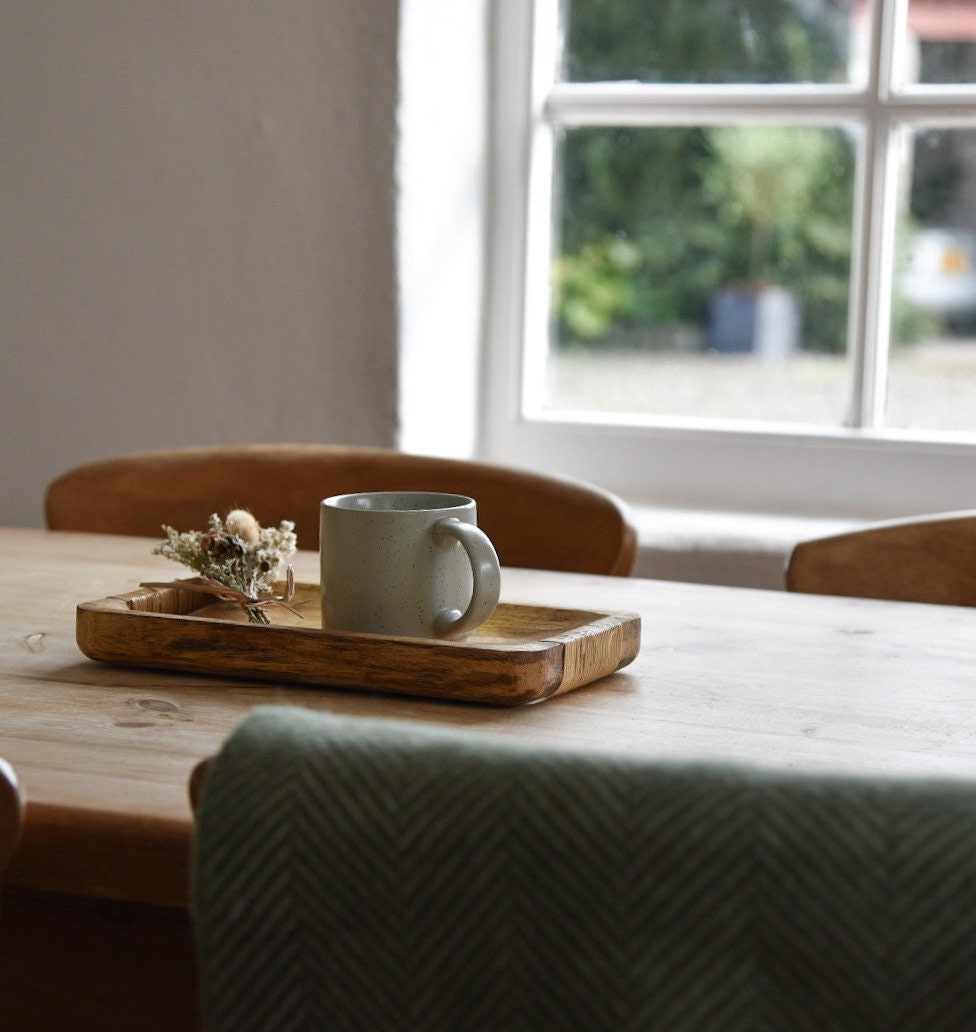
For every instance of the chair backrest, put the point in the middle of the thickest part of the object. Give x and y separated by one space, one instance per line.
11 812
923 559
361 873
535 520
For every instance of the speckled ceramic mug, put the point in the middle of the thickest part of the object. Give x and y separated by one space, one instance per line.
411 563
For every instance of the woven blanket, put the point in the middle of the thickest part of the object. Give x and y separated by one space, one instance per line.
376 875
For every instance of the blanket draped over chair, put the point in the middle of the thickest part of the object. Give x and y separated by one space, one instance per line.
376 874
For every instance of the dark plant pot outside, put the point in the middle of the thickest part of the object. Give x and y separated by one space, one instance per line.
759 319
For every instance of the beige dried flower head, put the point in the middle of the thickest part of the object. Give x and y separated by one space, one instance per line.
242 524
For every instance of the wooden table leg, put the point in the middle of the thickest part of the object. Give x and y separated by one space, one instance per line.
87 964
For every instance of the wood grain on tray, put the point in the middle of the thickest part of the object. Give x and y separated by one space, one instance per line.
522 654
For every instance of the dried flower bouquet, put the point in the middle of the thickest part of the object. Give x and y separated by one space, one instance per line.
237 560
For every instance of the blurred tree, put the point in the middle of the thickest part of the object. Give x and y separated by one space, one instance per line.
731 41
595 286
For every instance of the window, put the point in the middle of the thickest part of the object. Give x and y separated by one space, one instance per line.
734 252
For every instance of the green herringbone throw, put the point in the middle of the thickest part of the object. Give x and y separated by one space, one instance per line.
375 875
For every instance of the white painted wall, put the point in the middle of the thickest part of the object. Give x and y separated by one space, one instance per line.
197 228
441 172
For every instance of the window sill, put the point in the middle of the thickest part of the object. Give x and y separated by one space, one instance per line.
730 548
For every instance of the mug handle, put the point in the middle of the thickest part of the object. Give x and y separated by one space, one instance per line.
485 572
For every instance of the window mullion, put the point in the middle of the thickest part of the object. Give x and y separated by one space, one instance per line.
874 227
633 104
542 204
875 266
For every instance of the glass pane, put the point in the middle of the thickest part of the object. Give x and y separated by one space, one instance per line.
703 272
941 41
932 367
710 41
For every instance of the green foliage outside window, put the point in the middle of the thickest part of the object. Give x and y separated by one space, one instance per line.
661 219
655 221
730 41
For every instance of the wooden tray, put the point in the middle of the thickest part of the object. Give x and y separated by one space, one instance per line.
522 654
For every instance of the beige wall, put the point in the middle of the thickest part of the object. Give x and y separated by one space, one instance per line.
196 228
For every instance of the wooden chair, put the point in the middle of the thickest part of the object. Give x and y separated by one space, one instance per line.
535 520
923 559
11 812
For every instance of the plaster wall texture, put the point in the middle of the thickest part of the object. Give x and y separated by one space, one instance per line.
197 229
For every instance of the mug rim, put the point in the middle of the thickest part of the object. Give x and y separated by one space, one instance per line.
414 501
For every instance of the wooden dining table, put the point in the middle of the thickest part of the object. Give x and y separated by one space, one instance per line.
94 925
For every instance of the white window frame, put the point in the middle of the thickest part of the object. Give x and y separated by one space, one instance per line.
858 470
